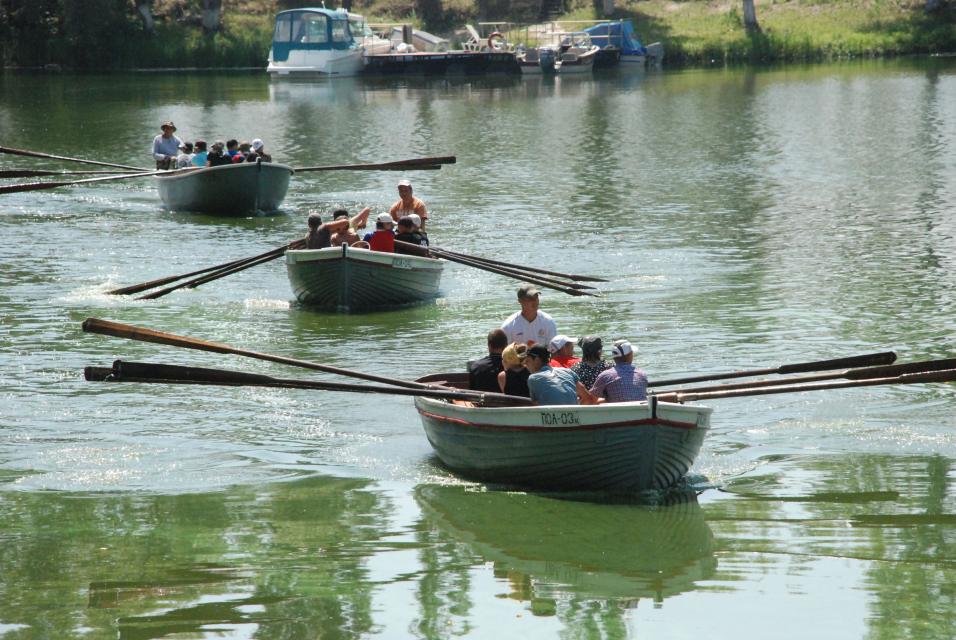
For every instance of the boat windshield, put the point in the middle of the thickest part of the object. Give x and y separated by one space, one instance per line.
359 27
301 27
340 31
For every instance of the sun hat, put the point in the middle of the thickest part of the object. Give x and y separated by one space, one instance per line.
257 144
384 217
558 342
528 291
168 123
514 354
621 348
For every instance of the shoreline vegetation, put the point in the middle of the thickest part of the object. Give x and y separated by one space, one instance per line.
114 35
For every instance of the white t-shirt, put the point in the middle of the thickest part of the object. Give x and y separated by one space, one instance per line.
538 331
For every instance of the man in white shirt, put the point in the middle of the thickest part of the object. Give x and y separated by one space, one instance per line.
529 326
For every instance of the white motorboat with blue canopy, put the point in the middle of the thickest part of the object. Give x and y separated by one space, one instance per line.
324 42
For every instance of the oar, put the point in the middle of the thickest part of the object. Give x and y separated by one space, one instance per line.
522 267
850 374
948 375
152 284
39 173
123 371
868 360
225 270
397 165
499 270
120 330
40 186
515 273
37 154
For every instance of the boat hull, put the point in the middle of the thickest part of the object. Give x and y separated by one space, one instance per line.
233 190
347 279
621 447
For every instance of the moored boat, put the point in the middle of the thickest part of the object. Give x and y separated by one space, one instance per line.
536 60
235 189
321 42
619 44
619 447
349 279
578 55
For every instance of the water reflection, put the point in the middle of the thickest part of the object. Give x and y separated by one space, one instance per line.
560 556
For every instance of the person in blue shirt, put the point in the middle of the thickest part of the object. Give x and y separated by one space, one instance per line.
550 385
201 155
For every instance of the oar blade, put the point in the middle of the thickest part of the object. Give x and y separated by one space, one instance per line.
867 360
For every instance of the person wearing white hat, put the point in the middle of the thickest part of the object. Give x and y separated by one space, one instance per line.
622 382
383 238
408 204
260 150
562 351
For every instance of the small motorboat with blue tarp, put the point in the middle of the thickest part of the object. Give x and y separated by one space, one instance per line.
618 43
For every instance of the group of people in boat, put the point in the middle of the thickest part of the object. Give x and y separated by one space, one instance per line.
170 152
405 222
528 357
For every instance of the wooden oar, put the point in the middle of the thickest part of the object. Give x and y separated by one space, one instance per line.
499 270
123 371
397 165
225 270
40 186
152 284
39 173
850 374
517 273
868 360
522 267
37 154
948 375
120 330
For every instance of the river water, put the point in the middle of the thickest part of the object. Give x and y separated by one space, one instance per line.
744 219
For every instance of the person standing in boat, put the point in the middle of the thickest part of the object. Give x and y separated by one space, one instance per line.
622 382
483 372
548 385
166 147
408 204
530 325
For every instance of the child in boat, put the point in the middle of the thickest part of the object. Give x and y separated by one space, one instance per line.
383 238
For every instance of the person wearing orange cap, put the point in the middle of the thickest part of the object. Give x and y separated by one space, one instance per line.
166 147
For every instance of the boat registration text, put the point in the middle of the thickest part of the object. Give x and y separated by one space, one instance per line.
551 418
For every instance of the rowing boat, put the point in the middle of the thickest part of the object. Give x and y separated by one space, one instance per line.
618 447
348 279
234 189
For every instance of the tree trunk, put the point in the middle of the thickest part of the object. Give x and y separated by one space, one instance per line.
145 10
211 16
750 17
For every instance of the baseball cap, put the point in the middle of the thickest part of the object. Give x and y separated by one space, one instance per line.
384 217
257 144
404 183
416 219
621 348
406 221
558 342
528 291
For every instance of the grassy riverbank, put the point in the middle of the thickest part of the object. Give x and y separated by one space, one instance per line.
693 32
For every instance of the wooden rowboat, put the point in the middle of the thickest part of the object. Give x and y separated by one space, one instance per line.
348 279
619 447
235 189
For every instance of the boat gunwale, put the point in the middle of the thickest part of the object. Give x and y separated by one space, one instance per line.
333 254
641 422
201 171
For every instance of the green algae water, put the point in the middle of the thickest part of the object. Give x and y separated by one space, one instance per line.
744 218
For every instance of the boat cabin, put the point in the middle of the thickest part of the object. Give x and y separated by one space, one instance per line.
316 41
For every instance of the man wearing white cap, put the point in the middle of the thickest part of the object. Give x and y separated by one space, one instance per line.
622 382
529 326
259 147
408 204
562 352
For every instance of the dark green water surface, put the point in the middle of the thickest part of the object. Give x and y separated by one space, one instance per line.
745 219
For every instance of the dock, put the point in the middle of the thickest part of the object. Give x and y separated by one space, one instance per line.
439 63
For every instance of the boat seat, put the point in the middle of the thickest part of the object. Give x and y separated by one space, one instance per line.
475 43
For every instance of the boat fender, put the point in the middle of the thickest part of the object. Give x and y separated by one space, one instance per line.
496 41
